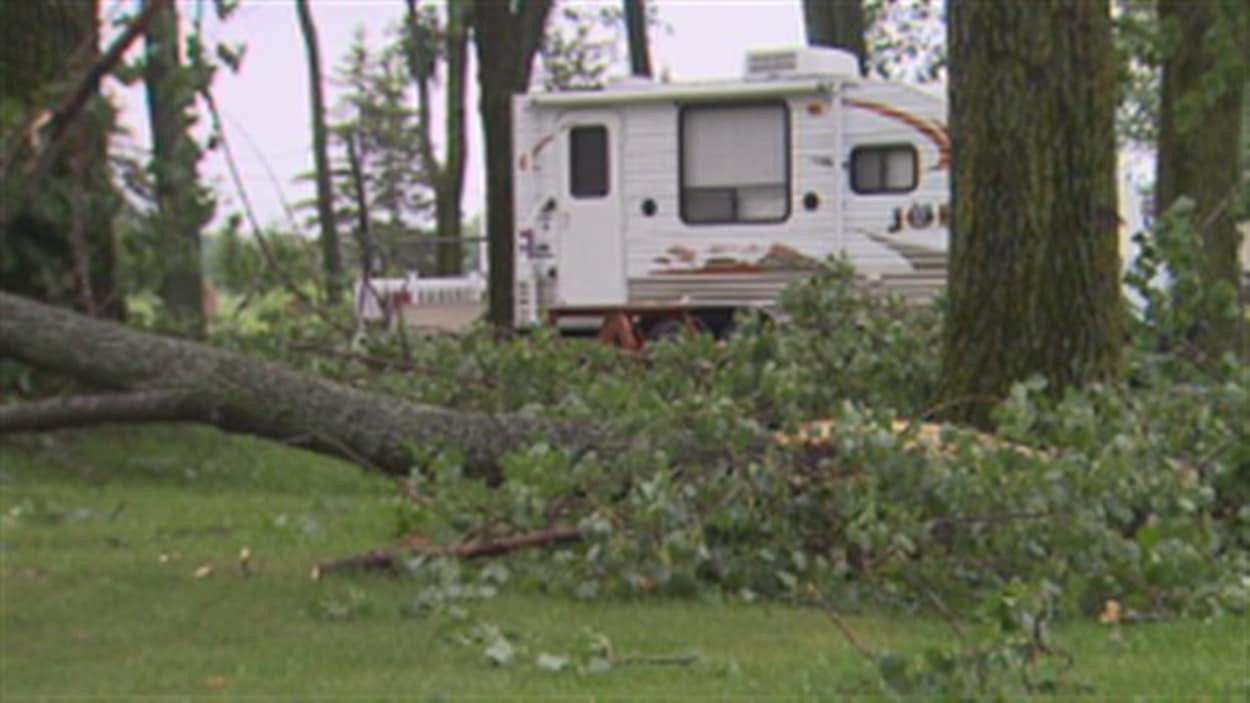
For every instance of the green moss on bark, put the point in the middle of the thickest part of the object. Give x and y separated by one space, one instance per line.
1034 265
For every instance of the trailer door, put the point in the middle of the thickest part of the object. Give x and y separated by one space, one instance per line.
591 257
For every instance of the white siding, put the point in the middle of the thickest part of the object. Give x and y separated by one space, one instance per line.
823 130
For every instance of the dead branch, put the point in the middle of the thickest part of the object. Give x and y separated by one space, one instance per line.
271 259
388 559
836 618
674 660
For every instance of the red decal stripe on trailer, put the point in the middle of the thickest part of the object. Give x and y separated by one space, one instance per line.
933 130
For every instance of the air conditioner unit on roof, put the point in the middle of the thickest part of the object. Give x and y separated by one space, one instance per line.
801 62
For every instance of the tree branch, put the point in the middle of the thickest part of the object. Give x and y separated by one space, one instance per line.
84 410
58 120
237 393
386 560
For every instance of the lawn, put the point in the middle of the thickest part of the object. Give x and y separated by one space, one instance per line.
121 577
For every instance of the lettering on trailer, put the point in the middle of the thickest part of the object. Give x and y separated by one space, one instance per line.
918 216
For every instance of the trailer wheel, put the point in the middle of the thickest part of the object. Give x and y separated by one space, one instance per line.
674 327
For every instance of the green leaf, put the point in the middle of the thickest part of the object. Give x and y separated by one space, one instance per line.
598 665
551 662
500 652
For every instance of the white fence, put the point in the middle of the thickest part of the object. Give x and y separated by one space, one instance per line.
434 302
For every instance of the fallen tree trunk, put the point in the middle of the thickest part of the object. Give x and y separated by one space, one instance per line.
238 393
84 410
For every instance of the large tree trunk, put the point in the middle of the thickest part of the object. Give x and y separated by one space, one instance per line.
636 29
183 380
56 234
1200 134
331 256
506 43
181 206
1034 265
839 24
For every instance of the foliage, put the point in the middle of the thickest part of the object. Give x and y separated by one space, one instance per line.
1138 43
580 45
1176 299
906 40
583 43
237 263
1129 495
376 118
103 529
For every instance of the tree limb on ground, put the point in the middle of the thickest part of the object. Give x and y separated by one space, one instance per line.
85 410
237 393
387 560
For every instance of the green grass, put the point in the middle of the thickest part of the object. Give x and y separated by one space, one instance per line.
104 529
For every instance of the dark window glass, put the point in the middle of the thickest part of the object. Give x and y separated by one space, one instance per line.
588 161
884 169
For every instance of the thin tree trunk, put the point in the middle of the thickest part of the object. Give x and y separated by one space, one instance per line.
506 44
839 24
1200 149
1034 265
639 49
180 210
363 217
451 183
447 176
331 255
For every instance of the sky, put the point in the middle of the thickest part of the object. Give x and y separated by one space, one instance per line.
265 105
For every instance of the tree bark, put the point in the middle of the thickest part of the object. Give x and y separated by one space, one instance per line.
240 394
56 233
451 180
839 24
636 28
181 205
331 254
82 411
506 43
1200 148
1034 264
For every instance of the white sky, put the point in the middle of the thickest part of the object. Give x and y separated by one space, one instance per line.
265 105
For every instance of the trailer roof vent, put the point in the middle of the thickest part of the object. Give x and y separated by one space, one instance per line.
806 61
628 82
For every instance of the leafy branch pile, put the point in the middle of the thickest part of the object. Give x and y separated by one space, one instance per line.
1125 503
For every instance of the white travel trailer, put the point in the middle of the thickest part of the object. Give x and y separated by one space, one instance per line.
660 201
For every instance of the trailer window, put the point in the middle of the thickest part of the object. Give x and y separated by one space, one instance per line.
735 163
883 169
588 161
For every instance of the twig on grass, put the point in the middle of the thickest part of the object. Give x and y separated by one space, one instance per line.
388 559
676 660
847 632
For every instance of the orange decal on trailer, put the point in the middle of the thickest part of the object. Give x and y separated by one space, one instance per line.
932 129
